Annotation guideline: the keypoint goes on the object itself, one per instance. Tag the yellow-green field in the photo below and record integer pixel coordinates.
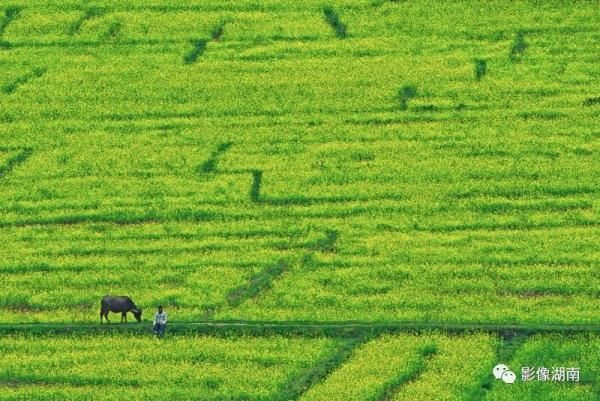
(301, 162)
(429, 366)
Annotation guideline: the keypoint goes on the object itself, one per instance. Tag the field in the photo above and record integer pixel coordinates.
(309, 188)
(427, 366)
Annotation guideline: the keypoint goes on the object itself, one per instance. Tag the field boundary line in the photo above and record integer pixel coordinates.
(10, 14)
(202, 215)
(257, 283)
(393, 386)
(323, 368)
(200, 44)
(252, 287)
(306, 328)
(12, 87)
(209, 166)
(508, 345)
(75, 27)
(11, 163)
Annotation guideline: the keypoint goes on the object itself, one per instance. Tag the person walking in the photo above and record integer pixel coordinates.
(160, 322)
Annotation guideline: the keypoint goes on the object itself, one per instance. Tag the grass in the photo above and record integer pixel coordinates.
(591, 101)
(508, 344)
(411, 361)
(328, 243)
(210, 165)
(320, 371)
(202, 365)
(299, 368)
(217, 32)
(309, 329)
(10, 163)
(114, 29)
(425, 353)
(549, 352)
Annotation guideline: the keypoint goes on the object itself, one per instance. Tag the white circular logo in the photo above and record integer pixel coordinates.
(509, 377)
(503, 372)
(499, 369)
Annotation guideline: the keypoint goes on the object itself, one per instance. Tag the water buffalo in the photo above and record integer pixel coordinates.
(121, 305)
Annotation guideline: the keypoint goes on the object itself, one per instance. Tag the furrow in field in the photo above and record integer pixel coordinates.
(394, 367)
(295, 388)
(455, 369)
(206, 367)
(11, 158)
(75, 27)
(10, 14)
(551, 353)
(370, 370)
(13, 86)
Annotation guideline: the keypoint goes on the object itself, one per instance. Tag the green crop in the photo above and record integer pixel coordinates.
(342, 168)
(141, 368)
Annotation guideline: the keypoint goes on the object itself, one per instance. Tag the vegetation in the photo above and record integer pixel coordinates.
(108, 367)
(256, 284)
(217, 32)
(10, 14)
(518, 47)
(406, 93)
(480, 69)
(580, 352)
(333, 19)
(75, 27)
(198, 48)
(240, 164)
(12, 86)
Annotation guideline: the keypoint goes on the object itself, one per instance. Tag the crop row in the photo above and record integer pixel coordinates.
(409, 367)
(390, 367)
(314, 180)
(336, 274)
(309, 21)
(307, 141)
(107, 87)
(185, 368)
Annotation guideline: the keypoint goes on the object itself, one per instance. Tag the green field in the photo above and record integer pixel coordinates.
(428, 366)
(404, 165)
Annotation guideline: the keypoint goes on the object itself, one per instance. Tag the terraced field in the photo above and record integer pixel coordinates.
(406, 165)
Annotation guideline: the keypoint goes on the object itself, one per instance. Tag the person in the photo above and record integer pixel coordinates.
(160, 322)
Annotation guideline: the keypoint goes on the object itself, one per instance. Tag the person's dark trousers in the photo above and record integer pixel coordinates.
(159, 329)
